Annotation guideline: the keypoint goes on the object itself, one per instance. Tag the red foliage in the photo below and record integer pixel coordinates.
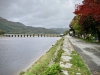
(89, 7)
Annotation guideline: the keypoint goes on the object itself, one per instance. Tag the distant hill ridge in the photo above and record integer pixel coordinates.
(10, 27)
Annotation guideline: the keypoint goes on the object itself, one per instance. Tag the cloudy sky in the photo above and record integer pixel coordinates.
(39, 13)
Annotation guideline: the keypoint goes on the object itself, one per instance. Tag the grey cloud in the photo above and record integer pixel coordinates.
(44, 13)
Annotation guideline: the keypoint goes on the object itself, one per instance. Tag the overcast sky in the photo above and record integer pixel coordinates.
(39, 13)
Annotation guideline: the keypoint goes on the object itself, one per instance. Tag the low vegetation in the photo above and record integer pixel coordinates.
(57, 59)
(78, 67)
(55, 69)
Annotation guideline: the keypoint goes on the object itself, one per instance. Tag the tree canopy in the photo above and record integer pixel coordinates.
(89, 16)
(89, 8)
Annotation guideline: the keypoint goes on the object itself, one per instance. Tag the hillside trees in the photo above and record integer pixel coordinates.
(89, 13)
(1, 32)
(10, 27)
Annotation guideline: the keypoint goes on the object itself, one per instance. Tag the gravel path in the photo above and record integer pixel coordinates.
(65, 58)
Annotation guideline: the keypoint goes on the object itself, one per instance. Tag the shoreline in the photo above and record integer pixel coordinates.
(30, 65)
(37, 59)
(42, 61)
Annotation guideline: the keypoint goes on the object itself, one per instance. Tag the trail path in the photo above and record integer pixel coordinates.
(65, 58)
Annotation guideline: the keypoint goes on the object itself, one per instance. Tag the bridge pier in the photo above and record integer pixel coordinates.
(50, 35)
(38, 35)
(41, 35)
(33, 35)
(30, 35)
(20, 35)
(12, 35)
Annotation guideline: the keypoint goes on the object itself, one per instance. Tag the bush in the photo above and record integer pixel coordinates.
(55, 69)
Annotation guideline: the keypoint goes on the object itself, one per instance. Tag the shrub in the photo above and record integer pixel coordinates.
(55, 69)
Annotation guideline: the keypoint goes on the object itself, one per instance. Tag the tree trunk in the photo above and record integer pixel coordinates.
(98, 36)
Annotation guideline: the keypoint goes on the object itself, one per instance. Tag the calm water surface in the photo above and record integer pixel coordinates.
(17, 54)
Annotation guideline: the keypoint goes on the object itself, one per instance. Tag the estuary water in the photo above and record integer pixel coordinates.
(19, 53)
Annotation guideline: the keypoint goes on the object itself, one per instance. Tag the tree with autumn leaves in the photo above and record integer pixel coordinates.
(89, 17)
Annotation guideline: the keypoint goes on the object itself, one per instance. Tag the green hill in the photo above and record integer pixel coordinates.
(60, 30)
(10, 27)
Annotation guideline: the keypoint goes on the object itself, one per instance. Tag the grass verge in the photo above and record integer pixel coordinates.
(55, 69)
(89, 40)
(78, 67)
(41, 65)
(58, 57)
